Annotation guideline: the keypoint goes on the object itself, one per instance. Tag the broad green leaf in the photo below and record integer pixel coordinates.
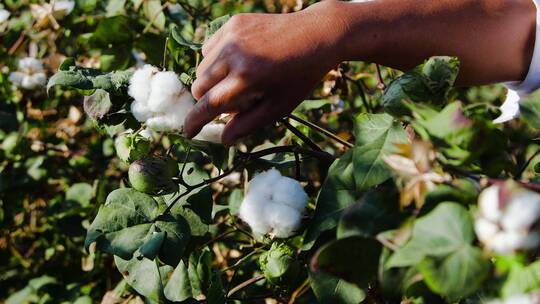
(143, 275)
(355, 259)
(337, 193)
(329, 289)
(522, 280)
(530, 110)
(369, 127)
(81, 193)
(215, 25)
(114, 32)
(377, 211)
(456, 275)
(154, 13)
(176, 34)
(369, 167)
(178, 287)
(88, 80)
(129, 220)
(441, 232)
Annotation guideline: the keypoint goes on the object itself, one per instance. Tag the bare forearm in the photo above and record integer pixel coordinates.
(493, 39)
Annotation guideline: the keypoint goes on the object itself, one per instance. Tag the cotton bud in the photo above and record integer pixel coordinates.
(154, 175)
(162, 102)
(506, 219)
(279, 265)
(531, 298)
(30, 74)
(130, 147)
(273, 204)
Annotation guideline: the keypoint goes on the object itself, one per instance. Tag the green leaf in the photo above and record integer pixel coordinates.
(154, 13)
(456, 275)
(439, 246)
(115, 7)
(369, 127)
(522, 280)
(88, 80)
(355, 259)
(215, 25)
(129, 220)
(530, 110)
(337, 193)
(178, 288)
(176, 35)
(369, 166)
(329, 289)
(143, 275)
(377, 211)
(81, 193)
(441, 232)
(111, 32)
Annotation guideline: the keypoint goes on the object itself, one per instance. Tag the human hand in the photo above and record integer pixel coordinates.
(261, 66)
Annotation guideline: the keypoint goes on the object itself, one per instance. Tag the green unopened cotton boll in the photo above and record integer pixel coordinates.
(130, 147)
(279, 265)
(153, 175)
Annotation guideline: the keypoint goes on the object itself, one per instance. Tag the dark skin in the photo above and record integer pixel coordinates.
(261, 66)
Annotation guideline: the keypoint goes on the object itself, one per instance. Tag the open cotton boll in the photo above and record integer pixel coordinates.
(283, 220)
(63, 8)
(289, 192)
(139, 84)
(211, 132)
(485, 229)
(522, 211)
(30, 74)
(252, 211)
(488, 202)
(165, 90)
(273, 204)
(140, 111)
(4, 15)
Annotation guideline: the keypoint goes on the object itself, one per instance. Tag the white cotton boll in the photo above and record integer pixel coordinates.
(262, 184)
(522, 211)
(140, 111)
(506, 242)
(146, 133)
(252, 211)
(211, 132)
(31, 82)
(139, 84)
(485, 230)
(289, 192)
(16, 78)
(283, 219)
(165, 90)
(488, 202)
(4, 15)
(30, 64)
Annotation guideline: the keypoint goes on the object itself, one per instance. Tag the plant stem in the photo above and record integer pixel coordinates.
(381, 84)
(245, 284)
(321, 130)
(524, 167)
(165, 54)
(299, 291)
(301, 135)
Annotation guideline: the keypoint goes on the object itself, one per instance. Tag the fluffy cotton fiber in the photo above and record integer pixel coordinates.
(30, 74)
(506, 226)
(161, 100)
(273, 204)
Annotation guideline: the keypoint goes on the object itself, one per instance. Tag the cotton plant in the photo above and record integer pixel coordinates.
(30, 74)
(162, 102)
(273, 205)
(507, 217)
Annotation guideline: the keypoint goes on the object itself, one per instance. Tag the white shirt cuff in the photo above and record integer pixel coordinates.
(518, 90)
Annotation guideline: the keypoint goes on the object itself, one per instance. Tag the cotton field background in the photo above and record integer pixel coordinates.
(384, 186)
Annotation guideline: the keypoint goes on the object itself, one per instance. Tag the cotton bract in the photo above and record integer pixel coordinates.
(506, 219)
(30, 74)
(161, 100)
(273, 204)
